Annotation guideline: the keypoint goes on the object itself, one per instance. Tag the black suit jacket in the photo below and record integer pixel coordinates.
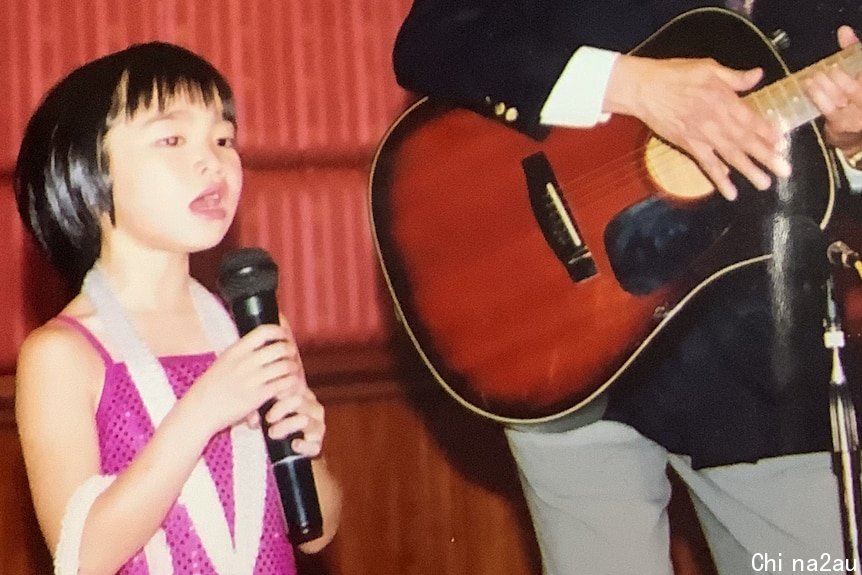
(514, 50)
(809, 25)
(723, 385)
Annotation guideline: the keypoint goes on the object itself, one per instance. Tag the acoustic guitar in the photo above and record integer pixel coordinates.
(531, 273)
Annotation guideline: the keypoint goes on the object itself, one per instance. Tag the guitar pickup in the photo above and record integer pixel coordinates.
(555, 219)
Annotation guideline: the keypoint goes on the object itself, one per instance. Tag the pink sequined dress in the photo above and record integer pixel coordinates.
(124, 428)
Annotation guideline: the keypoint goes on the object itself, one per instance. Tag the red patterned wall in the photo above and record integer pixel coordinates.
(315, 93)
(319, 230)
(313, 77)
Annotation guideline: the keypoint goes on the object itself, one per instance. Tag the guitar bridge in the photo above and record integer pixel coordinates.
(555, 219)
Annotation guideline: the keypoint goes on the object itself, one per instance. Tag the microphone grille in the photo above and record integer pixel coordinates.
(245, 272)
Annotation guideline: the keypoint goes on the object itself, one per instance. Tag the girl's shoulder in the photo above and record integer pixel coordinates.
(60, 354)
(57, 341)
(64, 336)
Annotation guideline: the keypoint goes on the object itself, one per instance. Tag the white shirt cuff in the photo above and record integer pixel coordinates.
(576, 99)
(854, 176)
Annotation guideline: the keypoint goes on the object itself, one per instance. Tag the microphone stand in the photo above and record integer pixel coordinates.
(845, 438)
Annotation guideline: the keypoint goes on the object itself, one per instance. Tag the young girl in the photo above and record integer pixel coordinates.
(137, 405)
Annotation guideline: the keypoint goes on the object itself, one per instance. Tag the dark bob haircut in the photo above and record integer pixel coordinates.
(62, 182)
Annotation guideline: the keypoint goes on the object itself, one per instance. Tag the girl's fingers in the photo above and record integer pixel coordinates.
(305, 447)
(253, 419)
(291, 402)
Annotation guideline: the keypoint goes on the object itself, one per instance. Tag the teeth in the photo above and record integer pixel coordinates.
(207, 202)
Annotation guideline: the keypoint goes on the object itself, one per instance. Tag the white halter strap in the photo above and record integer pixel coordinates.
(199, 495)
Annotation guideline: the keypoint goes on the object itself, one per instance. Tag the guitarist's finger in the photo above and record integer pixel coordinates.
(846, 36)
(836, 84)
(850, 90)
(739, 148)
(826, 94)
(750, 138)
(749, 170)
(768, 155)
(735, 155)
(748, 129)
(740, 80)
(845, 84)
(717, 171)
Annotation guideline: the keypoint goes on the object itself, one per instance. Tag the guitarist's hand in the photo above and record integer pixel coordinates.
(695, 105)
(838, 95)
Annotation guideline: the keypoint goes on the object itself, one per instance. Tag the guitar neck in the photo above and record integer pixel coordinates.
(786, 102)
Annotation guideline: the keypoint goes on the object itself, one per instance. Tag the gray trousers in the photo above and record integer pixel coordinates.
(598, 496)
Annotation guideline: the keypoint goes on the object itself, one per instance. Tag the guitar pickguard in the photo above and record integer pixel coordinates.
(653, 242)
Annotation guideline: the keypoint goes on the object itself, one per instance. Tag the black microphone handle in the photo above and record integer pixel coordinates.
(293, 473)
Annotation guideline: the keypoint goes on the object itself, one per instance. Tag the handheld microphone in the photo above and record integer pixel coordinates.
(248, 279)
(840, 254)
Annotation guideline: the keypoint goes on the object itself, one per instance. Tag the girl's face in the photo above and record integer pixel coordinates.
(176, 176)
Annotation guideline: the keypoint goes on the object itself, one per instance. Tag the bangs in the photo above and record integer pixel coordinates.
(146, 83)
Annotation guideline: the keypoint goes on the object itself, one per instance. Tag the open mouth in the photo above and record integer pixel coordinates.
(209, 203)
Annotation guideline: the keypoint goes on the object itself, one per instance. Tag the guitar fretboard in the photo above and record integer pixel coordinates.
(786, 102)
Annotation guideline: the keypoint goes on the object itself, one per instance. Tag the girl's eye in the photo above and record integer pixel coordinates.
(226, 142)
(171, 141)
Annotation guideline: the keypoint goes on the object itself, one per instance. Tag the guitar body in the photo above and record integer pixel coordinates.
(530, 274)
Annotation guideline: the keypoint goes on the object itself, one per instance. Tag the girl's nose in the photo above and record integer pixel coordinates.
(209, 162)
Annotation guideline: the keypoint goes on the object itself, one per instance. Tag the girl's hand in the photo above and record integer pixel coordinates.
(296, 409)
(260, 366)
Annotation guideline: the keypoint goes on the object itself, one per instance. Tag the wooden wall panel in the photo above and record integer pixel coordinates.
(415, 502)
(22, 551)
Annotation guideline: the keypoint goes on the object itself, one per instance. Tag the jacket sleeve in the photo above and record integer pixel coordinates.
(474, 51)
